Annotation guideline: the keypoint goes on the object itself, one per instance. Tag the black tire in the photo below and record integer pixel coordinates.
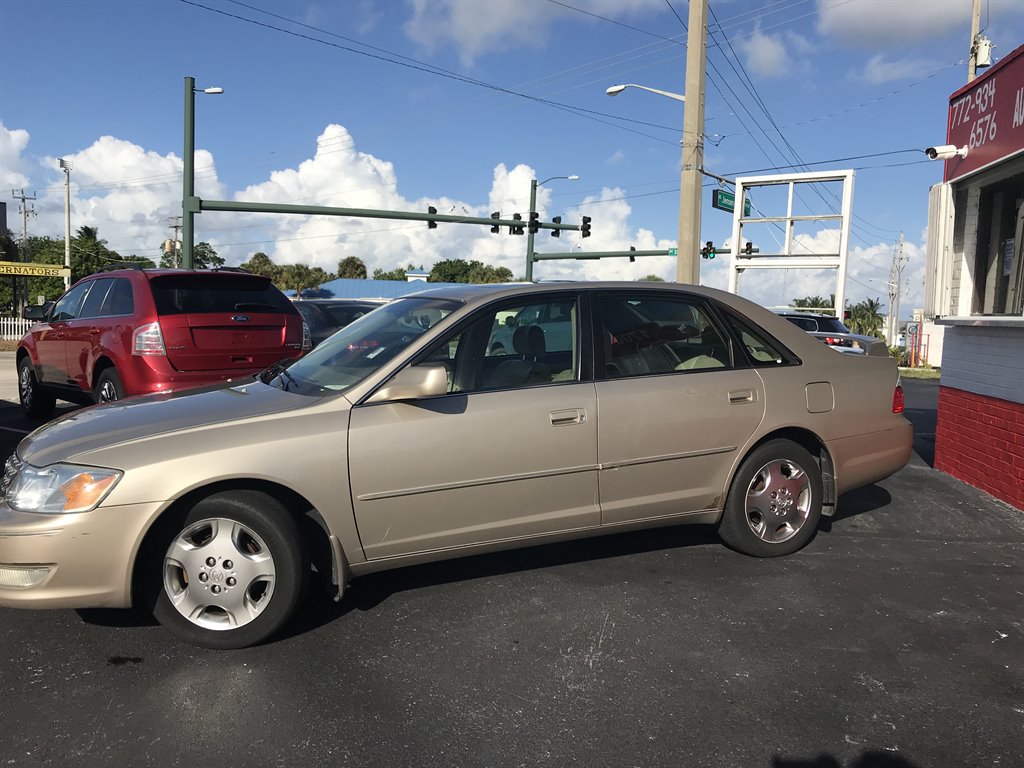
(36, 401)
(262, 526)
(761, 524)
(108, 387)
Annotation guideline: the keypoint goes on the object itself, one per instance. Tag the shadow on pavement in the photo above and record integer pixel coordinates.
(373, 589)
(873, 759)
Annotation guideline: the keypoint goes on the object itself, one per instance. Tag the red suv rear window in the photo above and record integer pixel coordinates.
(193, 294)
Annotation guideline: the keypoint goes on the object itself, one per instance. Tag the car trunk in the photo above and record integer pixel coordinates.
(225, 321)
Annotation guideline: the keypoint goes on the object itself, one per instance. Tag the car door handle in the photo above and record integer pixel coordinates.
(567, 417)
(741, 396)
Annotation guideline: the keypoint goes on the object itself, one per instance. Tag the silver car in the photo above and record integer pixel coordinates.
(409, 437)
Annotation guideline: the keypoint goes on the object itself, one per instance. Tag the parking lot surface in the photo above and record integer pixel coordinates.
(896, 638)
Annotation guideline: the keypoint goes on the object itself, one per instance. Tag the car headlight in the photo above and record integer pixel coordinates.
(60, 488)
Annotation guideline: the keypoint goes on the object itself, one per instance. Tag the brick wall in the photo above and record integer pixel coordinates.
(980, 439)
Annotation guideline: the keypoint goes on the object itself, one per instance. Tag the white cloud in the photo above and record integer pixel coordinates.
(881, 69)
(477, 28)
(880, 23)
(12, 145)
(776, 55)
(616, 157)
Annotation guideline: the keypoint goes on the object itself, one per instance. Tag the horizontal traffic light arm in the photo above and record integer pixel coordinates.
(370, 213)
(588, 255)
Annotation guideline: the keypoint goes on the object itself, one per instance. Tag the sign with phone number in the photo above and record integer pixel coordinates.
(988, 116)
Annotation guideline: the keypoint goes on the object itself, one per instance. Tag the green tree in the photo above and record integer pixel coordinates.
(394, 274)
(814, 302)
(301, 277)
(260, 264)
(462, 271)
(866, 318)
(352, 268)
(203, 257)
(651, 279)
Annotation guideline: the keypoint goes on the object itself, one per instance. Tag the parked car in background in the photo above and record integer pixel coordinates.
(326, 316)
(831, 331)
(125, 332)
(407, 437)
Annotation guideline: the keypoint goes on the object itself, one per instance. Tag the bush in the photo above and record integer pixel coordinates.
(900, 353)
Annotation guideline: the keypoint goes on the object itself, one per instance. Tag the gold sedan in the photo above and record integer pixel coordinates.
(453, 422)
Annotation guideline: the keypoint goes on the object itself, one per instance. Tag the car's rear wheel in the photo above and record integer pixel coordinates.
(108, 387)
(232, 571)
(35, 401)
(774, 503)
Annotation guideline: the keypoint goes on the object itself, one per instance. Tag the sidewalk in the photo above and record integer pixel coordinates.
(8, 380)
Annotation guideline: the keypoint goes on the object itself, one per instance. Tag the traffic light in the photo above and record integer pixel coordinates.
(749, 249)
(496, 229)
(534, 224)
(585, 227)
(708, 251)
(556, 232)
(632, 258)
(515, 229)
(431, 210)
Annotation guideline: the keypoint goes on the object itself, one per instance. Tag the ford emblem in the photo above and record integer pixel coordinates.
(241, 318)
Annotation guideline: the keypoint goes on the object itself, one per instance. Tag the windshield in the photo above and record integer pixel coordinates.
(361, 348)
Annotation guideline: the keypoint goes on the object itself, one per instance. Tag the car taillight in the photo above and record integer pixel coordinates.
(835, 342)
(897, 399)
(307, 338)
(148, 340)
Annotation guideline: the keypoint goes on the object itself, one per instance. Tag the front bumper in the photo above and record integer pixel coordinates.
(70, 561)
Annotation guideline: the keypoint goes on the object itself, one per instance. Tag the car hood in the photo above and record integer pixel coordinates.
(112, 424)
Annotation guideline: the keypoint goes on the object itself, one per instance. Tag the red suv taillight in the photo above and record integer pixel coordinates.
(897, 399)
(148, 340)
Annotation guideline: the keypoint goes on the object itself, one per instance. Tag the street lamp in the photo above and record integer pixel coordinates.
(533, 203)
(189, 201)
(687, 264)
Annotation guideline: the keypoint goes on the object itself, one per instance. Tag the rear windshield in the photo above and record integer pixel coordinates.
(193, 294)
(818, 324)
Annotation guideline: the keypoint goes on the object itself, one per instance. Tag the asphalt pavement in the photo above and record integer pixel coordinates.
(894, 640)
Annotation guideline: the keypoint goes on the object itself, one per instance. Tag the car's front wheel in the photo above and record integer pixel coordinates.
(35, 401)
(232, 571)
(774, 503)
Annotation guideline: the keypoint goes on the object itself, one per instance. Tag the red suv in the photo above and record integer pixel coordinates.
(141, 331)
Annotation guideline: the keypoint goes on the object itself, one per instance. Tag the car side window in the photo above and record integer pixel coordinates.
(93, 305)
(761, 349)
(68, 305)
(119, 299)
(645, 335)
(513, 347)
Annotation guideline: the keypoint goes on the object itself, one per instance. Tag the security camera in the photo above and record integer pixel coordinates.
(946, 152)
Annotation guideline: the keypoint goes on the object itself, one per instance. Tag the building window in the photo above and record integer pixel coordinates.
(998, 270)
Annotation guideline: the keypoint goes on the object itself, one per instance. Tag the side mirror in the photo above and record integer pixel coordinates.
(35, 311)
(413, 383)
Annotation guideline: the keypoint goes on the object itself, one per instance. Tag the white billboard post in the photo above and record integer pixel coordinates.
(740, 260)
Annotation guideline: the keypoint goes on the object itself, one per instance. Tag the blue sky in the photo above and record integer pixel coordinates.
(316, 110)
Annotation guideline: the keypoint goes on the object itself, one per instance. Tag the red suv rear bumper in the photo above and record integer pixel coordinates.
(153, 374)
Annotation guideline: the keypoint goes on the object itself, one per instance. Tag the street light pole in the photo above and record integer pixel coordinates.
(533, 204)
(189, 201)
(66, 167)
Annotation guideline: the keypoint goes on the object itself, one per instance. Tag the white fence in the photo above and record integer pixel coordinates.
(13, 327)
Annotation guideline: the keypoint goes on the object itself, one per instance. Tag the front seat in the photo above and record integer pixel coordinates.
(526, 369)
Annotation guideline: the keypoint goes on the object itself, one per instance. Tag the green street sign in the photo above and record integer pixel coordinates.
(726, 201)
(673, 251)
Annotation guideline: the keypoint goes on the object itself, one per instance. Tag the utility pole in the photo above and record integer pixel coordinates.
(175, 224)
(972, 61)
(899, 262)
(66, 167)
(688, 259)
(26, 211)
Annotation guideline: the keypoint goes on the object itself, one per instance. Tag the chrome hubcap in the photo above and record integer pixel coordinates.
(778, 501)
(219, 574)
(25, 385)
(107, 392)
